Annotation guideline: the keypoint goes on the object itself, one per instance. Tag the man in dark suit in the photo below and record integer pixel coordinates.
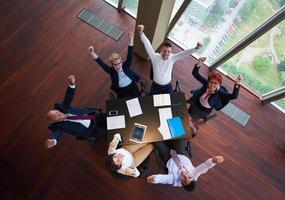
(83, 123)
(123, 78)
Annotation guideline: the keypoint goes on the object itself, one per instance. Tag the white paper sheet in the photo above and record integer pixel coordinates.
(161, 100)
(164, 114)
(134, 107)
(116, 122)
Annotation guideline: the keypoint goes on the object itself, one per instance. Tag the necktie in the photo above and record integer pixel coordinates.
(175, 158)
(81, 117)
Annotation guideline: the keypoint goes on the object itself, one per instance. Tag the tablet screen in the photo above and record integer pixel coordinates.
(138, 133)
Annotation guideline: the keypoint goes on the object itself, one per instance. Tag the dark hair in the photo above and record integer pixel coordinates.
(167, 44)
(110, 165)
(190, 187)
(215, 75)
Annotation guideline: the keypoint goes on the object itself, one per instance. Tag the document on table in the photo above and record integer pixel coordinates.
(161, 100)
(164, 114)
(116, 122)
(134, 107)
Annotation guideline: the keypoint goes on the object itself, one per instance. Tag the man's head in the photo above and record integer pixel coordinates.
(113, 162)
(165, 50)
(55, 116)
(214, 81)
(187, 180)
(116, 61)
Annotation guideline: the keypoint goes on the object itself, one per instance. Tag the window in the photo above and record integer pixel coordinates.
(220, 24)
(281, 104)
(131, 6)
(113, 2)
(262, 63)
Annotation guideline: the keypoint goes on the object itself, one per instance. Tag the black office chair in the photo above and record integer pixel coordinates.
(144, 87)
(178, 86)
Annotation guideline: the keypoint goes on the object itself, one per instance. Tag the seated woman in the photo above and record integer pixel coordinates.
(125, 160)
(122, 76)
(212, 95)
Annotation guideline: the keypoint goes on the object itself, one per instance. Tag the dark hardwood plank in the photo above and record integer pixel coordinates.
(42, 42)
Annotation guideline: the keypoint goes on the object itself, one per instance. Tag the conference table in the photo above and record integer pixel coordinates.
(150, 117)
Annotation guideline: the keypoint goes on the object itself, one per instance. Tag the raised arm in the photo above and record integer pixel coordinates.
(54, 139)
(146, 42)
(129, 171)
(187, 52)
(103, 65)
(205, 166)
(161, 178)
(196, 73)
(129, 60)
(69, 94)
(114, 143)
(234, 94)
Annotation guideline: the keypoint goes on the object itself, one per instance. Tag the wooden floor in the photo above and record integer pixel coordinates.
(42, 42)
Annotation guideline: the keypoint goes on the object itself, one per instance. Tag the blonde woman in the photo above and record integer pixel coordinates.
(123, 78)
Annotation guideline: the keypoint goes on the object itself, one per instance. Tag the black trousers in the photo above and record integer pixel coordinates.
(164, 148)
(130, 91)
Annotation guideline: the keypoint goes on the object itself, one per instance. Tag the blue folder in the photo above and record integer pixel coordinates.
(176, 127)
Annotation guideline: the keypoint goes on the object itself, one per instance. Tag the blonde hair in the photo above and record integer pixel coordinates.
(114, 56)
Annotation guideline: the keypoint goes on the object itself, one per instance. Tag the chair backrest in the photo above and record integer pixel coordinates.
(144, 87)
(178, 86)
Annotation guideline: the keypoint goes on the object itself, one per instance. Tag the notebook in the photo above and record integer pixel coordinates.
(176, 127)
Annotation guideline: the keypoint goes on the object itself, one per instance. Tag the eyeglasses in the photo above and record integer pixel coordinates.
(117, 64)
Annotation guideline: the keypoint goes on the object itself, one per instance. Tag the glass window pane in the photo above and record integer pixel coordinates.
(220, 24)
(177, 5)
(262, 63)
(281, 103)
(113, 2)
(131, 6)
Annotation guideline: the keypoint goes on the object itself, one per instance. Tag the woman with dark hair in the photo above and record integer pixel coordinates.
(212, 95)
(125, 160)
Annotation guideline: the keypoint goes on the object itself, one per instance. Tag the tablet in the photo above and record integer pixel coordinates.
(138, 133)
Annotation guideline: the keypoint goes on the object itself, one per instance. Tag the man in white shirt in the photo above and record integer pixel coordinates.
(181, 172)
(162, 63)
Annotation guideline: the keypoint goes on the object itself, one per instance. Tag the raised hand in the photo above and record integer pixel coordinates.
(199, 45)
(140, 28)
(238, 79)
(218, 159)
(200, 61)
(71, 79)
(92, 52)
(50, 143)
(131, 36)
(150, 179)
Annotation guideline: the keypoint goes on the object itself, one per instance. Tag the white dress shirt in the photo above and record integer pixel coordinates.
(173, 176)
(162, 69)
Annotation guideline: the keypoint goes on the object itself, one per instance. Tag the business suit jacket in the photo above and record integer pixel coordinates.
(219, 98)
(126, 69)
(74, 128)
